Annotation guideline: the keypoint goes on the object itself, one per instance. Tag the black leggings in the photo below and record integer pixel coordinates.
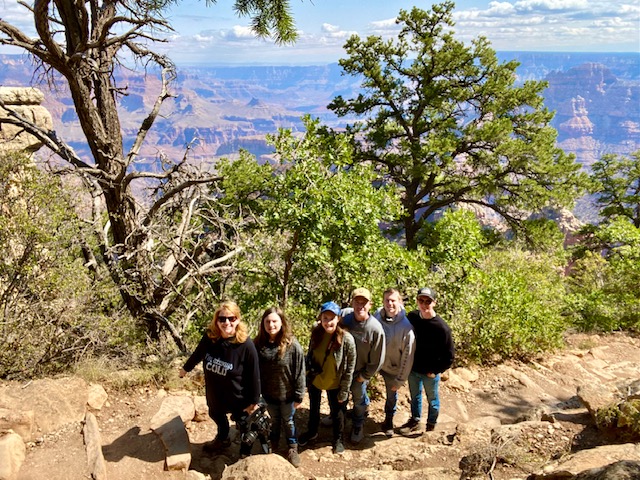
(337, 409)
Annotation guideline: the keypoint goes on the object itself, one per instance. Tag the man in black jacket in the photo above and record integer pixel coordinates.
(434, 353)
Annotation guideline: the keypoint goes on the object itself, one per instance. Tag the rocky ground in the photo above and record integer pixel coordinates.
(538, 424)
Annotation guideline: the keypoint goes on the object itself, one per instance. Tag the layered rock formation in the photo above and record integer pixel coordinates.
(25, 102)
(596, 111)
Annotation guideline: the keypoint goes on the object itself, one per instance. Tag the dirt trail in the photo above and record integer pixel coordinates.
(511, 392)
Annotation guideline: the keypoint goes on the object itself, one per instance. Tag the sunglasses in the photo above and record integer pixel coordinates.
(222, 319)
(426, 301)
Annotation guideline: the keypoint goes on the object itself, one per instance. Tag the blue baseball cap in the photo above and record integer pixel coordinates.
(330, 307)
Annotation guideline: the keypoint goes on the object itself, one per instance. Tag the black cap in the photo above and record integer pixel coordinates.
(427, 292)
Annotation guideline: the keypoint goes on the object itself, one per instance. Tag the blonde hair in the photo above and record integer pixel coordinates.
(242, 331)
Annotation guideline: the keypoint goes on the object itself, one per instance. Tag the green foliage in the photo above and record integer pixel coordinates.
(52, 312)
(603, 285)
(446, 123)
(316, 233)
(513, 308)
(624, 418)
(500, 302)
(616, 182)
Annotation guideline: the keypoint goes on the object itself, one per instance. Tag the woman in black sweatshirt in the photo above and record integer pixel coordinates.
(231, 372)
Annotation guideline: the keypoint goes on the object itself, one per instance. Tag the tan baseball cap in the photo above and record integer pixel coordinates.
(361, 292)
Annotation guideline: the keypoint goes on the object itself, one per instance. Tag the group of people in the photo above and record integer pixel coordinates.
(348, 346)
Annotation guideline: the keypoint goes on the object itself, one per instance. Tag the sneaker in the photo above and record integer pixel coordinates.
(410, 427)
(326, 421)
(431, 427)
(292, 456)
(216, 445)
(338, 447)
(307, 438)
(387, 427)
(357, 434)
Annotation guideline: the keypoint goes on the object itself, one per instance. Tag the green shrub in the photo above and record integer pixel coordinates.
(53, 310)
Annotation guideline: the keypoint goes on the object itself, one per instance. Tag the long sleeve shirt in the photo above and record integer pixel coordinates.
(369, 338)
(231, 373)
(282, 380)
(434, 344)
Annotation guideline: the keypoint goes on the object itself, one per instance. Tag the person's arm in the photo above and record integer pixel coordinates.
(298, 372)
(408, 351)
(251, 376)
(196, 356)
(348, 356)
(447, 355)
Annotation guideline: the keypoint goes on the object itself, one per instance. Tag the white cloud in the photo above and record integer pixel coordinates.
(384, 24)
(551, 5)
(329, 31)
(239, 32)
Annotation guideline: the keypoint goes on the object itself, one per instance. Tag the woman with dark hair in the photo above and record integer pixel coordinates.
(282, 377)
(231, 373)
(331, 360)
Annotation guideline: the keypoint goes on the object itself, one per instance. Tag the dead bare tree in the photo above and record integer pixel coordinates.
(161, 251)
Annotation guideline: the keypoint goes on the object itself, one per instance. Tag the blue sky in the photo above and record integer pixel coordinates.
(214, 35)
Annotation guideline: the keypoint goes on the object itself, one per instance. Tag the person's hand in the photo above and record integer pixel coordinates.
(394, 388)
(359, 378)
(182, 372)
(431, 375)
(296, 404)
(251, 408)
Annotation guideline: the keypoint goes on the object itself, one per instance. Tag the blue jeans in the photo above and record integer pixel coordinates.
(282, 414)
(392, 395)
(417, 382)
(360, 402)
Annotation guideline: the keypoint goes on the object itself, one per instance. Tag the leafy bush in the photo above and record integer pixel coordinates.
(603, 284)
(501, 303)
(52, 312)
(515, 309)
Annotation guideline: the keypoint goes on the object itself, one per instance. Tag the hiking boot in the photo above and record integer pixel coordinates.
(245, 450)
(357, 434)
(326, 421)
(412, 426)
(387, 427)
(307, 438)
(431, 427)
(292, 455)
(338, 447)
(216, 445)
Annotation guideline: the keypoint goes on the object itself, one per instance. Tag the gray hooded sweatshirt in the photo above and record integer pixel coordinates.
(400, 342)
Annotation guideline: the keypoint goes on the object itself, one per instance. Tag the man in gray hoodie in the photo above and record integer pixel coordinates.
(399, 350)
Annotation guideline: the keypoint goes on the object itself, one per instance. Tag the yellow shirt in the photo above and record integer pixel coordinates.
(328, 379)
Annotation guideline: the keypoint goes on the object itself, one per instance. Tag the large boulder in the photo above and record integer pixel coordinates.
(264, 467)
(53, 403)
(12, 454)
(26, 103)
